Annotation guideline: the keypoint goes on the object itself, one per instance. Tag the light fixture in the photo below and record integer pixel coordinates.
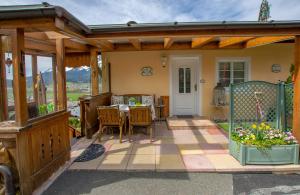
(163, 60)
(8, 62)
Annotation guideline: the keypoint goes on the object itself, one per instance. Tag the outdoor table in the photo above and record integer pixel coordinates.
(124, 108)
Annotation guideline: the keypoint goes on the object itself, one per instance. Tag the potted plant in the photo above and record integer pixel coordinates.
(74, 127)
(262, 144)
(131, 101)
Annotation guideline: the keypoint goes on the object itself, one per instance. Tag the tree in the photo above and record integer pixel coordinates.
(264, 12)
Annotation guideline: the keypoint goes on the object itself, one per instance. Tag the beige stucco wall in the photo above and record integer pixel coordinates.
(126, 66)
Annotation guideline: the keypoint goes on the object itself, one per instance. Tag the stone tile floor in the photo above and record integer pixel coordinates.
(202, 150)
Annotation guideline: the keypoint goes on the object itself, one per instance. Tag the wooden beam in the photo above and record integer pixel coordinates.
(54, 71)
(37, 35)
(106, 45)
(61, 75)
(168, 42)
(199, 42)
(34, 77)
(3, 89)
(39, 45)
(233, 40)
(19, 77)
(75, 45)
(175, 46)
(136, 43)
(64, 29)
(266, 40)
(296, 105)
(55, 35)
(94, 71)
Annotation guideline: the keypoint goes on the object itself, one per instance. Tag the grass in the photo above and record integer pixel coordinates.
(224, 126)
(74, 96)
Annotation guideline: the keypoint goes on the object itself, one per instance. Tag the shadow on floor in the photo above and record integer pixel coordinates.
(114, 182)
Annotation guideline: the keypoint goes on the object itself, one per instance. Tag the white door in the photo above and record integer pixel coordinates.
(185, 89)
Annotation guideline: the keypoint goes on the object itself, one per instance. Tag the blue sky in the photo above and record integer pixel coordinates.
(122, 11)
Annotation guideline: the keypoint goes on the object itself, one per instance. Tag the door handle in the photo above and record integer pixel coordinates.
(195, 87)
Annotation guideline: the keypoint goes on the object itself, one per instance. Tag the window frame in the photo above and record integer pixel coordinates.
(247, 61)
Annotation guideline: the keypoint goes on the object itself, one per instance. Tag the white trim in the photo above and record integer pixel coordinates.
(198, 70)
(247, 60)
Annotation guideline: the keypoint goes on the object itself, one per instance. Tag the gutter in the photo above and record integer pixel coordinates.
(193, 26)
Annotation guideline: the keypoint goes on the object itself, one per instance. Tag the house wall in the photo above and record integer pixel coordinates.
(126, 66)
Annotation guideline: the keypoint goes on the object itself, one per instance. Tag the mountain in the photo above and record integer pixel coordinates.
(76, 75)
(79, 75)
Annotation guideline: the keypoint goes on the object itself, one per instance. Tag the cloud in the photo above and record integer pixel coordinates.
(122, 11)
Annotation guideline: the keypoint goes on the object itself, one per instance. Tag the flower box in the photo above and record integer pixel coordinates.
(275, 155)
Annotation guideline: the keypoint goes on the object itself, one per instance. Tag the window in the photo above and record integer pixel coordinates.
(232, 71)
(184, 80)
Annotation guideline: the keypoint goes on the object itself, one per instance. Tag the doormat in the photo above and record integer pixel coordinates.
(185, 116)
(190, 124)
(92, 152)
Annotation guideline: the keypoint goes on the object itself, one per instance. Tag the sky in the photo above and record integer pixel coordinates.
(93, 12)
(121, 11)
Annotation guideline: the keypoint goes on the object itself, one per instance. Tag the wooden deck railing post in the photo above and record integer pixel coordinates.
(54, 71)
(296, 106)
(3, 94)
(19, 77)
(34, 77)
(94, 70)
(61, 75)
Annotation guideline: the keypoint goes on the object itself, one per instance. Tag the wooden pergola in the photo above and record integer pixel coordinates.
(48, 30)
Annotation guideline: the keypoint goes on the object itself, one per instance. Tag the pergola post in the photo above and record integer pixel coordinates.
(34, 78)
(94, 71)
(61, 75)
(54, 71)
(19, 77)
(296, 106)
(106, 77)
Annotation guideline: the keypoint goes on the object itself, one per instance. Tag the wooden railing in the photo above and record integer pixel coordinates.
(88, 112)
(37, 150)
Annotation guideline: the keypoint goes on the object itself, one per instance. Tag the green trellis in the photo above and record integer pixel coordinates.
(260, 101)
(288, 106)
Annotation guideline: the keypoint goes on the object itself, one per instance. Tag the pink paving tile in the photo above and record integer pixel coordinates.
(213, 148)
(214, 131)
(197, 163)
(167, 149)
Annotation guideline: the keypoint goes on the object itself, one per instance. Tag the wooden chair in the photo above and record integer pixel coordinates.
(140, 116)
(110, 117)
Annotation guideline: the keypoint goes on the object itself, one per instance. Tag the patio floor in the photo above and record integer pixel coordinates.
(199, 150)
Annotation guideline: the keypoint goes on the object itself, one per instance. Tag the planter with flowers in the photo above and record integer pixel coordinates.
(262, 144)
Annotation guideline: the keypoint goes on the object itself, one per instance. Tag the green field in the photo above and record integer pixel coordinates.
(74, 91)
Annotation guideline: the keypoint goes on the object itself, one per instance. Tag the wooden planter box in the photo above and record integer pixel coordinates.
(281, 154)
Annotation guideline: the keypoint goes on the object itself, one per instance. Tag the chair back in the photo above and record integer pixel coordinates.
(108, 115)
(140, 115)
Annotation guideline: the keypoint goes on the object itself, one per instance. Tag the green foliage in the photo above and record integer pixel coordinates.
(224, 126)
(42, 109)
(50, 107)
(264, 12)
(45, 109)
(75, 122)
(292, 72)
